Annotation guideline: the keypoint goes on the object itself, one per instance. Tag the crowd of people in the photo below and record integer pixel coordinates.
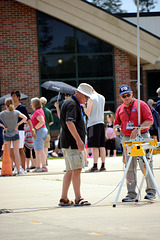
(82, 130)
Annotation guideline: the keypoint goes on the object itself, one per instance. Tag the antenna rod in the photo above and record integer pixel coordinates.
(138, 68)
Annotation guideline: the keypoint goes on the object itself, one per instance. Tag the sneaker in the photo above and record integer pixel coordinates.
(150, 196)
(102, 169)
(32, 167)
(28, 169)
(19, 173)
(128, 199)
(22, 170)
(15, 171)
(93, 169)
(44, 169)
(38, 170)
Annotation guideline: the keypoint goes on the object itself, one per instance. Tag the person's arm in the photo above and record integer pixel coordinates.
(73, 131)
(88, 109)
(113, 133)
(24, 119)
(31, 127)
(145, 124)
(40, 123)
(57, 108)
(106, 134)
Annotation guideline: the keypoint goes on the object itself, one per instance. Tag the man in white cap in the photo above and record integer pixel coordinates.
(72, 140)
(157, 108)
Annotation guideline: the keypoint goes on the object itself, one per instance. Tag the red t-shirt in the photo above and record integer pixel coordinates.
(122, 118)
(34, 120)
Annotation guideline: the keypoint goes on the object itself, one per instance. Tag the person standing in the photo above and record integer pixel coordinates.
(95, 129)
(156, 120)
(48, 122)
(157, 108)
(20, 107)
(72, 140)
(127, 118)
(10, 125)
(38, 121)
(29, 148)
(110, 136)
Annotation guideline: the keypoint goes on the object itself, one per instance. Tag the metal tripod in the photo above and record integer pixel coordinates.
(135, 149)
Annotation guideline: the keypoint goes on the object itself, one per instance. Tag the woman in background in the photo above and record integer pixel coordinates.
(38, 121)
(10, 125)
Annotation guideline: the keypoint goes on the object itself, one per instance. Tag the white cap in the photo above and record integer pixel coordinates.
(158, 90)
(85, 89)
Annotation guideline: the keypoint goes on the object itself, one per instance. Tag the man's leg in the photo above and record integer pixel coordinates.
(103, 157)
(66, 183)
(103, 154)
(95, 155)
(76, 181)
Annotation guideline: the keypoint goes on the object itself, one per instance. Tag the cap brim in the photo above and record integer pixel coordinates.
(124, 92)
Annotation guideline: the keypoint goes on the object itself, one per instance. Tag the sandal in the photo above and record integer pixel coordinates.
(81, 202)
(63, 202)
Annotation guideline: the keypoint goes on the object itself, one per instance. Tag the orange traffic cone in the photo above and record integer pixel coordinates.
(6, 163)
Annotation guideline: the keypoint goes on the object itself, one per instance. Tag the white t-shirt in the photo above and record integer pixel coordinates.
(97, 112)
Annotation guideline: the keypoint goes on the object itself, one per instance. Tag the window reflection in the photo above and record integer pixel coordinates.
(70, 55)
(55, 36)
(95, 66)
(89, 44)
(57, 67)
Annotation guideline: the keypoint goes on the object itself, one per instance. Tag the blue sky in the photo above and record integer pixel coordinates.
(129, 6)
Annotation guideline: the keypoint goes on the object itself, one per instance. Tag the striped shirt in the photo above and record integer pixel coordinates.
(28, 142)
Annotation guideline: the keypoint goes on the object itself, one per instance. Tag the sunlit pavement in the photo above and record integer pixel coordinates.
(32, 203)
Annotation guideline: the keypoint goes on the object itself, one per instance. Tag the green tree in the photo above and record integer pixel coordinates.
(146, 5)
(112, 6)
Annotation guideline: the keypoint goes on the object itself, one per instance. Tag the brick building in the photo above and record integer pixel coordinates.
(94, 47)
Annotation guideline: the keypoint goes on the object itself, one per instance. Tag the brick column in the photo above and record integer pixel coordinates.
(122, 71)
(19, 49)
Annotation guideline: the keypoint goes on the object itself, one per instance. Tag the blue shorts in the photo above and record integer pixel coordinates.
(41, 135)
(13, 138)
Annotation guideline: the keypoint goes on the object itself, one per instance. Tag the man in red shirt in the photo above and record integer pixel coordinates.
(127, 118)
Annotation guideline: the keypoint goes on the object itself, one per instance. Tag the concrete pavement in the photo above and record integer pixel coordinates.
(33, 202)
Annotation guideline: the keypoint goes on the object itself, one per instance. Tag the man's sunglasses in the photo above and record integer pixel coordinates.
(127, 95)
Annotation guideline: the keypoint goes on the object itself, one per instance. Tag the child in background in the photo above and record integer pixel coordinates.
(29, 148)
(110, 136)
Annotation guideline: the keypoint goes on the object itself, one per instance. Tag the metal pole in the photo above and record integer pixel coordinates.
(138, 68)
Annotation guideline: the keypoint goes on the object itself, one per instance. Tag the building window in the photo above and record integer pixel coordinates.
(70, 55)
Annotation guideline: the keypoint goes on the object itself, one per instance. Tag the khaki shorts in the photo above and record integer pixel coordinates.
(47, 141)
(74, 158)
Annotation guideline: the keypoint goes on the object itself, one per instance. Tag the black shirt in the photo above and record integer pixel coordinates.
(23, 110)
(71, 111)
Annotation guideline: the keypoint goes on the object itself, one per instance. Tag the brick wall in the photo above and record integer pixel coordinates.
(18, 47)
(122, 71)
(133, 82)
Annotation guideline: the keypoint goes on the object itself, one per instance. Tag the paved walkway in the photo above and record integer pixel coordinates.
(33, 202)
